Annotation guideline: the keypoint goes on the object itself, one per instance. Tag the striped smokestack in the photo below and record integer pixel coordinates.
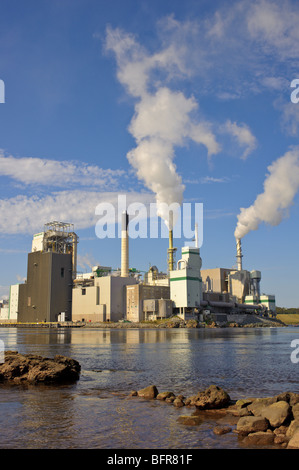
(124, 245)
(239, 254)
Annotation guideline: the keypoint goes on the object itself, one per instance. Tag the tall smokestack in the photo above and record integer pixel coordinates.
(239, 254)
(171, 250)
(124, 245)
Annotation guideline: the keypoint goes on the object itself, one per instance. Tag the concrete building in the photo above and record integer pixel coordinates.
(136, 295)
(48, 290)
(186, 283)
(14, 302)
(101, 298)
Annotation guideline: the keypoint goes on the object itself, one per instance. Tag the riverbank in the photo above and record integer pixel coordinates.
(237, 321)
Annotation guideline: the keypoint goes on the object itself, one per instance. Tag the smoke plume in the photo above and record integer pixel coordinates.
(163, 117)
(280, 188)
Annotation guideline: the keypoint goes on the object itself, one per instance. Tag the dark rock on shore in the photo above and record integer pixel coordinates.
(34, 369)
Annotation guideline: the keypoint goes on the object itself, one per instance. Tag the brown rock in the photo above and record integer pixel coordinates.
(212, 397)
(259, 404)
(277, 413)
(294, 441)
(219, 430)
(164, 395)
(295, 411)
(178, 402)
(34, 369)
(294, 425)
(190, 420)
(259, 438)
(249, 424)
(149, 392)
(280, 439)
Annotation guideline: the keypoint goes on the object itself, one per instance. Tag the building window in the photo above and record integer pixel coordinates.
(62, 272)
(83, 291)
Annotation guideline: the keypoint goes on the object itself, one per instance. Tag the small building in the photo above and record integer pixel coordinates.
(100, 299)
(155, 309)
(136, 295)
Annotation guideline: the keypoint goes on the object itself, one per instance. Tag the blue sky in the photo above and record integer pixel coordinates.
(132, 97)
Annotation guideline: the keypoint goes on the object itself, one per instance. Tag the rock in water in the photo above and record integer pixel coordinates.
(213, 397)
(35, 369)
(148, 392)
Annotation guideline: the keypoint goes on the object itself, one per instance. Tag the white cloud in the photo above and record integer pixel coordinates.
(275, 26)
(39, 171)
(243, 135)
(24, 214)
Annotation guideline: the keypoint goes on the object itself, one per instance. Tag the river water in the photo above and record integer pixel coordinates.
(97, 413)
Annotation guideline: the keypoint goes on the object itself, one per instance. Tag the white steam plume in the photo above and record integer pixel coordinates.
(280, 188)
(162, 118)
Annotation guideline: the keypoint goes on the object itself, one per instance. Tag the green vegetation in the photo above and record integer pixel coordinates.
(288, 311)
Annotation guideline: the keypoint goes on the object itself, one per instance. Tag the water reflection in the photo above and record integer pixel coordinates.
(96, 413)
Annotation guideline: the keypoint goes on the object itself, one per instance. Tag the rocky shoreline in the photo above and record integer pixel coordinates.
(260, 422)
(34, 369)
(249, 321)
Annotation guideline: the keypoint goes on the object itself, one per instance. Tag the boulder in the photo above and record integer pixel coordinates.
(258, 404)
(289, 397)
(219, 430)
(294, 441)
(178, 402)
(277, 413)
(294, 425)
(259, 438)
(213, 397)
(35, 369)
(164, 395)
(249, 424)
(295, 411)
(149, 392)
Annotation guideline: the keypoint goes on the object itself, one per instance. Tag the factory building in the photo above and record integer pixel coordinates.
(142, 305)
(47, 293)
(100, 298)
(54, 291)
(186, 283)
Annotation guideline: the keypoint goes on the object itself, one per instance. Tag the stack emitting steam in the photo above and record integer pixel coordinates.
(280, 188)
(171, 249)
(163, 118)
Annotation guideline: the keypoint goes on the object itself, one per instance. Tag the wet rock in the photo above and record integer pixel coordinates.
(133, 393)
(149, 392)
(164, 395)
(212, 397)
(178, 402)
(250, 424)
(190, 420)
(277, 413)
(219, 430)
(35, 369)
